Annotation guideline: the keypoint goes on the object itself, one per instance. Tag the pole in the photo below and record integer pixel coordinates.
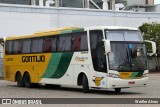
(105, 4)
(113, 4)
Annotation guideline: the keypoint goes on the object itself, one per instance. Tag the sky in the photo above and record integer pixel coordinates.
(156, 1)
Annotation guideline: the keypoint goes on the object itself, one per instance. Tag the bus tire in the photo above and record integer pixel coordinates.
(85, 84)
(27, 80)
(19, 79)
(117, 90)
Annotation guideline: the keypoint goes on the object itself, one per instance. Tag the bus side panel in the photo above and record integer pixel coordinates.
(25, 63)
(81, 62)
(8, 73)
(59, 69)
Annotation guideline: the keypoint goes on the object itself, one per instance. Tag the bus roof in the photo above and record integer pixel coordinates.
(111, 28)
(68, 30)
(48, 33)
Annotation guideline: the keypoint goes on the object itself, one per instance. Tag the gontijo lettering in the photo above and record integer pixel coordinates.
(40, 58)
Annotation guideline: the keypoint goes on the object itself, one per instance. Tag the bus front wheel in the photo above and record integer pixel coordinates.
(27, 80)
(19, 79)
(85, 84)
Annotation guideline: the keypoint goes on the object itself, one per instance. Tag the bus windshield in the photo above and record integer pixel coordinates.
(127, 57)
(127, 50)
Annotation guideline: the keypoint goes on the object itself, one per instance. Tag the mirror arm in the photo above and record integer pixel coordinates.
(153, 47)
(107, 46)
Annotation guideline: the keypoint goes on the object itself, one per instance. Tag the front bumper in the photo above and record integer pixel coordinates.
(126, 83)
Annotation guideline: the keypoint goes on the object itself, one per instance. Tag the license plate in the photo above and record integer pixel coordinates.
(131, 82)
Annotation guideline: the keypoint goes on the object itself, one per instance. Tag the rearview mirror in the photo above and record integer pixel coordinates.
(152, 46)
(107, 46)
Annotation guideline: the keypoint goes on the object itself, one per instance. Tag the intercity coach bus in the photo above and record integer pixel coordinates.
(94, 57)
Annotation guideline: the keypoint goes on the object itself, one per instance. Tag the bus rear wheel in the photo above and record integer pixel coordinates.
(19, 79)
(27, 81)
(85, 84)
(117, 90)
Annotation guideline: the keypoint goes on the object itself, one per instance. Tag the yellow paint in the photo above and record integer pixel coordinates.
(125, 75)
(43, 33)
(98, 80)
(35, 69)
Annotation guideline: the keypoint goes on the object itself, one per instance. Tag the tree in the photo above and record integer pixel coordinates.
(152, 32)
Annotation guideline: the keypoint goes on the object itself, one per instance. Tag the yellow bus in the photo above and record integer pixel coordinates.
(92, 57)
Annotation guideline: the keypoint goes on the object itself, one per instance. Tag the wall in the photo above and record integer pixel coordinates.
(136, 2)
(155, 8)
(22, 20)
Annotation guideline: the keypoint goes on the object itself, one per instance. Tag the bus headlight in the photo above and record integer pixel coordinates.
(145, 75)
(113, 75)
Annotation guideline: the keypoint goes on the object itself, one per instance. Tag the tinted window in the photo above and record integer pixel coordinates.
(16, 46)
(64, 43)
(95, 38)
(50, 44)
(8, 47)
(97, 51)
(68, 43)
(61, 43)
(54, 44)
(47, 44)
(84, 44)
(26, 44)
(37, 45)
(79, 42)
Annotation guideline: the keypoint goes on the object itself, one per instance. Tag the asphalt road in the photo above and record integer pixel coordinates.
(11, 90)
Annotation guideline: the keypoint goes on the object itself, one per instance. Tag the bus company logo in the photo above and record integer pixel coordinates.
(40, 58)
(81, 59)
(97, 80)
(124, 73)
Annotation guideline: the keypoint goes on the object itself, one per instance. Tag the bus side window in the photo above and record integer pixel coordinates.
(16, 47)
(26, 46)
(68, 43)
(47, 44)
(76, 43)
(54, 44)
(64, 43)
(9, 47)
(37, 45)
(84, 42)
(61, 43)
(97, 51)
(79, 42)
